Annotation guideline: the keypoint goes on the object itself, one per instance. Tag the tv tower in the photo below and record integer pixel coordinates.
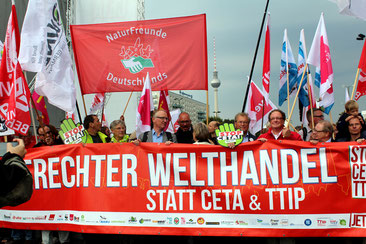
(215, 83)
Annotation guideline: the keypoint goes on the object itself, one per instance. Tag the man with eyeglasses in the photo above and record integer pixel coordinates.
(317, 116)
(157, 134)
(184, 133)
(277, 130)
(322, 132)
(354, 129)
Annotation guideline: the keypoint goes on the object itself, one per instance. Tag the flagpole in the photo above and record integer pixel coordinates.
(310, 92)
(287, 81)
(206, 108)
(34, 124)
(128, 101)
(355, 83)
(84, 105)
(297, 94)
(264, 107)
(255, 56)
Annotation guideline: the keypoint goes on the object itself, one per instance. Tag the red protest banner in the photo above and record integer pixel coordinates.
(116, 57)
(260, 189)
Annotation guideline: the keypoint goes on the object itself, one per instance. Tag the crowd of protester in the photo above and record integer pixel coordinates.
(350, 127)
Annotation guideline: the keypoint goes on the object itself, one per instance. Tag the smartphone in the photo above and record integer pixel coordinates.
(3, 147)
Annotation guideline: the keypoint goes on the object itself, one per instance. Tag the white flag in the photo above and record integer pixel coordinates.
(146, 105)
(44, 50)
(97, 103)
(173, 125)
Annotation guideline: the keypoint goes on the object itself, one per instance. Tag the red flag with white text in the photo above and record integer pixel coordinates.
(361, 85)
(15, 95)
(255, 108)
(115, 57)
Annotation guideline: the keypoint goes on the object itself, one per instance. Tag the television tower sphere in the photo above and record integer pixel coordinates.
(215, 83)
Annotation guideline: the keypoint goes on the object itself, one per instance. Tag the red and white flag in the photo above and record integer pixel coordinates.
(266, 61)
(104, 120)
(173, 125)
(15, 95)
(97, 103)
(319, 56)
(361, 85)
(164, 102)
(255, 108)
(143, 121)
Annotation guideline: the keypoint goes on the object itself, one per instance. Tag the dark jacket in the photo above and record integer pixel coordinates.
(16, 181)
(184, 136)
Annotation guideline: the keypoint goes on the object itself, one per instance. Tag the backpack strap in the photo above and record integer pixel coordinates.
(144, 137)
(304, 133)
(169, 136)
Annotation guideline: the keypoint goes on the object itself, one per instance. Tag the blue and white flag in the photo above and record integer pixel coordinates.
(288, 66)
(301, 63)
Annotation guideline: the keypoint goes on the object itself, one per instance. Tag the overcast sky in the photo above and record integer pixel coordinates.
(236, 23)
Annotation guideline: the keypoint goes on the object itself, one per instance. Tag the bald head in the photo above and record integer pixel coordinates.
(184, 121)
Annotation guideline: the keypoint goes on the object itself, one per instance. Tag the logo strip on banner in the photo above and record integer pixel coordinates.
(275, 186)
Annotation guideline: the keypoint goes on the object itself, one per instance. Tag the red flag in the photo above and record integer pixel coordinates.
(115, 57)
(145, 107)
(164, 104)
(266, 61)
(361, 85)
(255, 108)
(14, 93)
(41, 106)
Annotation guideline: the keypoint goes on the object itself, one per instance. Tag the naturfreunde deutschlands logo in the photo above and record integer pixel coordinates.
(137, 57)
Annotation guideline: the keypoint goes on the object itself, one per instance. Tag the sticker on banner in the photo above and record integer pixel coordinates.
(72, 133)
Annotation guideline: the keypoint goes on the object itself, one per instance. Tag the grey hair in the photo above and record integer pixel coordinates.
(117, 122)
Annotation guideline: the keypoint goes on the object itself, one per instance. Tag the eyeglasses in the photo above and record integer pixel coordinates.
(243, 122)
(184, 121)
(163, 118)
(318, 116)
(277, 118)
(318, 131)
